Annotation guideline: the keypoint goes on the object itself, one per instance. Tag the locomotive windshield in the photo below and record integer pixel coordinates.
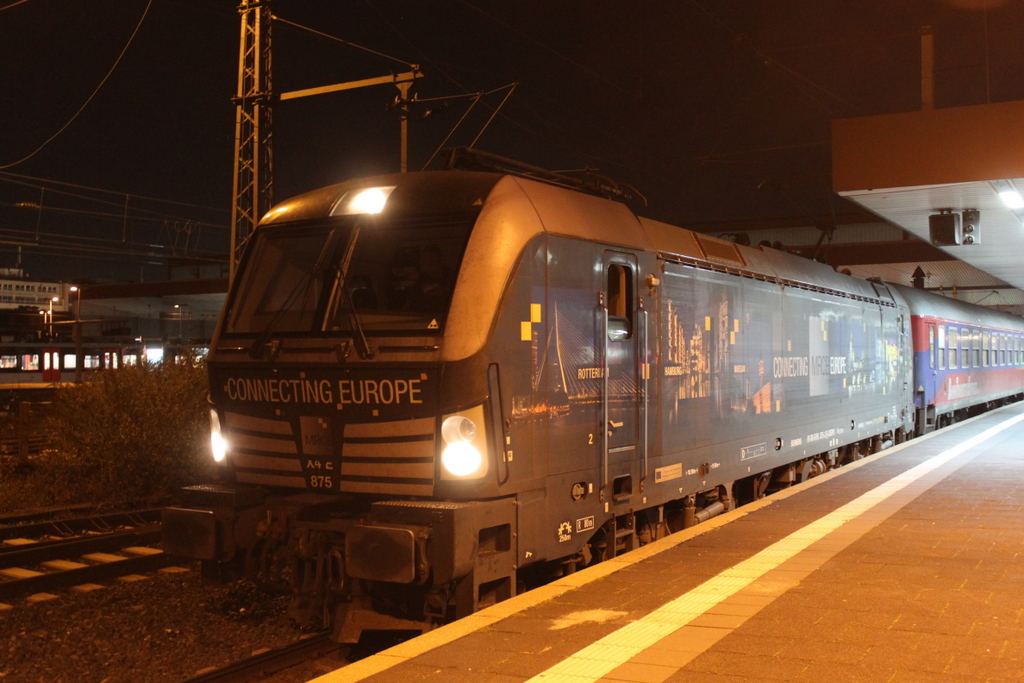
(351, 273)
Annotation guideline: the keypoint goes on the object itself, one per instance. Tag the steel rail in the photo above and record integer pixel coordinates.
(266, 663)
(65, 548)
(80, 525)
(75, 577)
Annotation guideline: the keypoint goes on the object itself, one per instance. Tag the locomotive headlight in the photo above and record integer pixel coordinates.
(218, 445)
(369, 200)
(461, 459)
(464, 455)
(458, 428)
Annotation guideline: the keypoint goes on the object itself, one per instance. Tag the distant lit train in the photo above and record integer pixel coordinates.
(34, 364)
(431, 390)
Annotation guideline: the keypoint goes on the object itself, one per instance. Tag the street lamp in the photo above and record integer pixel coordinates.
(49, 316)
(78, 332)
(181, 314)
(78, 301)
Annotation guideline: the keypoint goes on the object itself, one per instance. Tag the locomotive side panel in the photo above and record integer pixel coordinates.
(755, 376)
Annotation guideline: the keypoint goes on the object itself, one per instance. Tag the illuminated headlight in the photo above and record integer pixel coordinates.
(218, 445)
(461, 458)
(370, 200)
(464, 455)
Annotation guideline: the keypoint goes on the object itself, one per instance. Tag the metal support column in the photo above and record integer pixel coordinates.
(252, 185)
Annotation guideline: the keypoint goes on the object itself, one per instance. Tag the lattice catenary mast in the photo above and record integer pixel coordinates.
(252, 184)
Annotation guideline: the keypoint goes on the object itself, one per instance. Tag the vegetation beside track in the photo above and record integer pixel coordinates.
(134, 435)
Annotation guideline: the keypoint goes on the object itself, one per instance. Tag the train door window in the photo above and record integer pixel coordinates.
(965, 343)
(620, 297)
(942, 347)
(8, 362)
(931, 346)
(30, 362)
(46, 360)
(986, 357)
(954, 346)
(70, 361)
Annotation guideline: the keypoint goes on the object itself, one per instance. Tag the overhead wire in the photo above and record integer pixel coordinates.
(120, 193)
(13, 4)
(134, 215)
(344, 42)
(742, 40)
(554, 141)
(95, 91)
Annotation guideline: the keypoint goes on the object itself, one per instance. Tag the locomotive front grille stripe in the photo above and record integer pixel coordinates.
(389, 439)
(269, 479)
(264, 462)
(382, 430)
(374, 451)
(386, 480)
(256, 424)
(387, 471)
(257, 443)
(409, 461)
(390, 487)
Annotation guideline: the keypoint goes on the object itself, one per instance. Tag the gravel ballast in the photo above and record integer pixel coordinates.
(162, 629)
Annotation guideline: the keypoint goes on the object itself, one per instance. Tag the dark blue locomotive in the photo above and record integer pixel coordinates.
(429, 390)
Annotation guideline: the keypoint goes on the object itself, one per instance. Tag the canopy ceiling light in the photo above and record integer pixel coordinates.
(1010, 195)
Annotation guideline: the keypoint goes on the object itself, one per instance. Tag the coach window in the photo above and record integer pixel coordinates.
(931, 346)
(965, 343)
(30, 362)
(985, 351)
(954, 342)
(620, 295)
(942, 347)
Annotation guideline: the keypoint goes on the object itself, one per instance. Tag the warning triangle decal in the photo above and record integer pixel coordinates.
(432, 325)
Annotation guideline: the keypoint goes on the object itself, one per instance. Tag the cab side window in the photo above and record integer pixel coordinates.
(620, 302)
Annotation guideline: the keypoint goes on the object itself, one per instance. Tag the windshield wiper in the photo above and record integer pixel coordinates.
(341, 272)
(261, 345)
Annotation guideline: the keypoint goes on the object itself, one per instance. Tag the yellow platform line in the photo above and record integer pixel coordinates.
(615, 649)
(403, 652)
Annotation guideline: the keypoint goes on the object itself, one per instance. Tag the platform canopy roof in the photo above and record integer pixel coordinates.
(906, 167)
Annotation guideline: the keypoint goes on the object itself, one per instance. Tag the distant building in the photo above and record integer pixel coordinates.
(19, 292)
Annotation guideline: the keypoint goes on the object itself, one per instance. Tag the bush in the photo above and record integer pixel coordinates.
(131, 435)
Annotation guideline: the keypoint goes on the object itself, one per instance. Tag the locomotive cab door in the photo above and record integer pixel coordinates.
(621, 390)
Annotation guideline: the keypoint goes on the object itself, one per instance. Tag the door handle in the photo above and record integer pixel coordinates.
(614, 425)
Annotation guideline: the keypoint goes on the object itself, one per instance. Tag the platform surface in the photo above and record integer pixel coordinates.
(907, 566)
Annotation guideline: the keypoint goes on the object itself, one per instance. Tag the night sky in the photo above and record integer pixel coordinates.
(715, 110)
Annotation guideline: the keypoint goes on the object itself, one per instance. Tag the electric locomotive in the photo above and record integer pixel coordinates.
(429, 390)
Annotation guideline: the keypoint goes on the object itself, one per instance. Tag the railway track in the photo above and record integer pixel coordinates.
(267, 663)
(39, 557)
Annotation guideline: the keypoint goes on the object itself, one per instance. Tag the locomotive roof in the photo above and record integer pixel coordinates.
(513, 210)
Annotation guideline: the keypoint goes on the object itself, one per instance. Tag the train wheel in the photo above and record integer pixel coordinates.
(817, 466)
(760, 485)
